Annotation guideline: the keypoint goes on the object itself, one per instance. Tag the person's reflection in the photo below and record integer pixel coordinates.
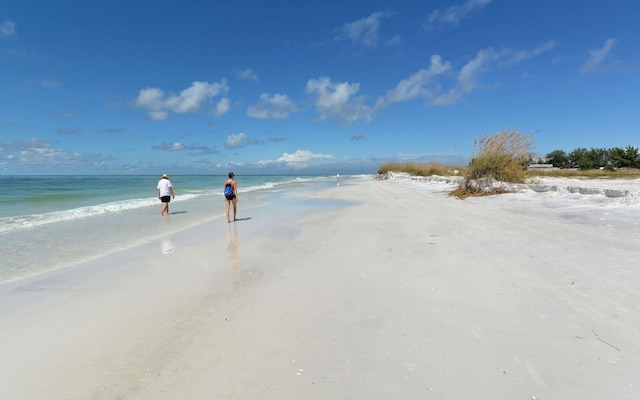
(232, 245)
(168, 246)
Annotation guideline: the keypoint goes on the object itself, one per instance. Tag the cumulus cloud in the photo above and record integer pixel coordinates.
(238, 140)
(337, 101)
(277, 106)
(7, 29)
(35, 152)
(600, 59)
(363, 32)
(248, 75)
(298, 160)
(223, 107)
(417, 85)
(453, 15)
(187, 101)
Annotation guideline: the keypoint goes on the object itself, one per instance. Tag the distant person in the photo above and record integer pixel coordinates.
(165, 193)
(338, 179)
(231, 194)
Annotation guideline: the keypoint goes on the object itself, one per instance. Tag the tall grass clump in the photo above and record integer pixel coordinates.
(501, 157)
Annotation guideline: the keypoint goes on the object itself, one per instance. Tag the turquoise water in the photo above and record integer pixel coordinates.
(49, 222)
(37, 195)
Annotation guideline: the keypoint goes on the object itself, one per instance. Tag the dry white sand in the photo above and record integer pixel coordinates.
(397, 295)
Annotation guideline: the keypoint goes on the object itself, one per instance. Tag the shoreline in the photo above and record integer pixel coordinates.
(368, 290)
(35, 244)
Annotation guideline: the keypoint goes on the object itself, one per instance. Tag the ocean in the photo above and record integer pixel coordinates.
(51, 222)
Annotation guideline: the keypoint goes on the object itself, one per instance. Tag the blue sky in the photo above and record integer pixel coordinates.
(137, 87)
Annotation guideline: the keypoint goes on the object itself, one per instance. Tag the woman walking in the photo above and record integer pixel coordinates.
(231, 194)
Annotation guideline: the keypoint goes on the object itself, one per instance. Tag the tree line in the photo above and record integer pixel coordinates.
(593, 158)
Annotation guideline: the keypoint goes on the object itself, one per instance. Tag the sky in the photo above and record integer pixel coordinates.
(305, 87)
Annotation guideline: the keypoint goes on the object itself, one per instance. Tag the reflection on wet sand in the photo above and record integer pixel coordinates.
(168, 245)
(233, 249)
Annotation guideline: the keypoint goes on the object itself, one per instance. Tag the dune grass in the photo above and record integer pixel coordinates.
(422, 169)
(500, 157)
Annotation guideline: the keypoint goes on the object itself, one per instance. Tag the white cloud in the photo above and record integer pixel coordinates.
(188, 101)
(193, 150)
(426, 83)
(445, 99)
(7, 29)
(248, 75)
(453, 15)
(223, 107)
(364, 31)
(468, 76)
(277, 106)
(298, 160)
(41, 153)
(597, 60)
(150, 98)
(158, 115)
(485, 61)
(230, 164)
(177, 146)
(237, 140)
(523, 55)
(337, 101)
(416, 85)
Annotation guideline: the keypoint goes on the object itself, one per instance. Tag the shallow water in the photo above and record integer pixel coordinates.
(85, 218)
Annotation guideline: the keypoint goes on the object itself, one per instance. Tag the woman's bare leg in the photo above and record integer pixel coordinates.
(235, 202)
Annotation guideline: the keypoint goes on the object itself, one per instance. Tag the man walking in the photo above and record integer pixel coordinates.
(165, 193)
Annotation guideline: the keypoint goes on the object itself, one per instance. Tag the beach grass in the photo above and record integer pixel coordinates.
(500, 157)
(422, 169)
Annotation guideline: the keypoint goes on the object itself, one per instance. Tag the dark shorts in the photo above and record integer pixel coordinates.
(233, 196)
(165, 199)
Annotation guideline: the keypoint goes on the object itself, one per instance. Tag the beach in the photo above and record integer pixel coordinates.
(373, 289)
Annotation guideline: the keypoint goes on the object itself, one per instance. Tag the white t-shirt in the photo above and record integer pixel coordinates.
(163, 186)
